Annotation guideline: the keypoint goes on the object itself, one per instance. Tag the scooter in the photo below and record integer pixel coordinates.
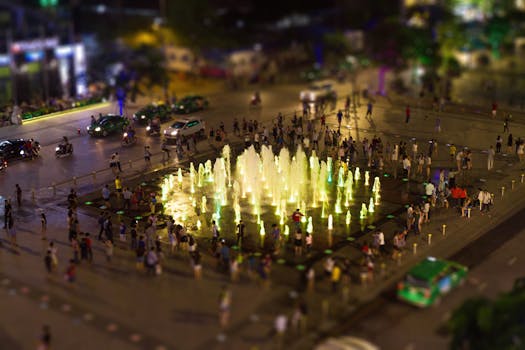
(127, 140)
(153, 130)
(63, 150)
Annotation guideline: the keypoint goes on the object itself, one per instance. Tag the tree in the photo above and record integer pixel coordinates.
(485, 325)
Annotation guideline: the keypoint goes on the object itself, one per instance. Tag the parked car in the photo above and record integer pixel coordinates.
(185, 127)
(147, 113)
(429, 280)
(318, 92)
(15, 149)
(190, 104)
(107, 124)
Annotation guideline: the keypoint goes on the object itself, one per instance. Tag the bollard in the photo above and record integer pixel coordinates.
(502, 191)
(429, 240)
(130, 164)
(74, 180)
(512, 186)
(33, 197)
(444, 228)
(414, 248)
(54, 189)
(522, 176)
(468, 212)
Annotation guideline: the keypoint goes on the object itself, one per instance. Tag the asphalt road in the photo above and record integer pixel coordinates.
(494, 262)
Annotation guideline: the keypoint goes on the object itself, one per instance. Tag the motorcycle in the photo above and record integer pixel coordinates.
(256, 100)
(63, 150)
(128, 140)
(153, 130)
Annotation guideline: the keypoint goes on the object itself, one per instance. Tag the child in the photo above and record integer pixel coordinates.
(108, 249)
(48, 261)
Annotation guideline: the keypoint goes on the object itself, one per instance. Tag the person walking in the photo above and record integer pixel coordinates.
(147, 156)
(490, 158)
(165, 150)
(369, 107)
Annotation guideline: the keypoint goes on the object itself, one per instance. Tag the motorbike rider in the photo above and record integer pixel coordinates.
(155, 124)
(64, 145)
(256, 98)
(130, 131)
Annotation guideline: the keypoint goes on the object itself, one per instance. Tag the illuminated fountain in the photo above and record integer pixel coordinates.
(363, 212)
(263, 187)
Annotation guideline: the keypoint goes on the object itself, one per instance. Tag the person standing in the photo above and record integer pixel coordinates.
(43, 222)
(11, 231)
(499, 141)
(225, 300)
(296, 217)
(147, 156)
(8, 211)
(490, 158)
(509, 143)
(117, 161)
(45, 339)
(18, 192)
(240, 233)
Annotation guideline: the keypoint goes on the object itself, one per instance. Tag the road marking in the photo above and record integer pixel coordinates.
(512, 261)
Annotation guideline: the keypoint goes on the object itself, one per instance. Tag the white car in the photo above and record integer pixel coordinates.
(319, 90)
(185, 127)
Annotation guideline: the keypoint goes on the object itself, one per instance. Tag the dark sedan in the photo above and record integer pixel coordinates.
(16, 149)
(107, 124)
(190, 104)
(147, 113)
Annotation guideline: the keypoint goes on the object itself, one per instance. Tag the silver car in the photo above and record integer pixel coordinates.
(185, 127)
